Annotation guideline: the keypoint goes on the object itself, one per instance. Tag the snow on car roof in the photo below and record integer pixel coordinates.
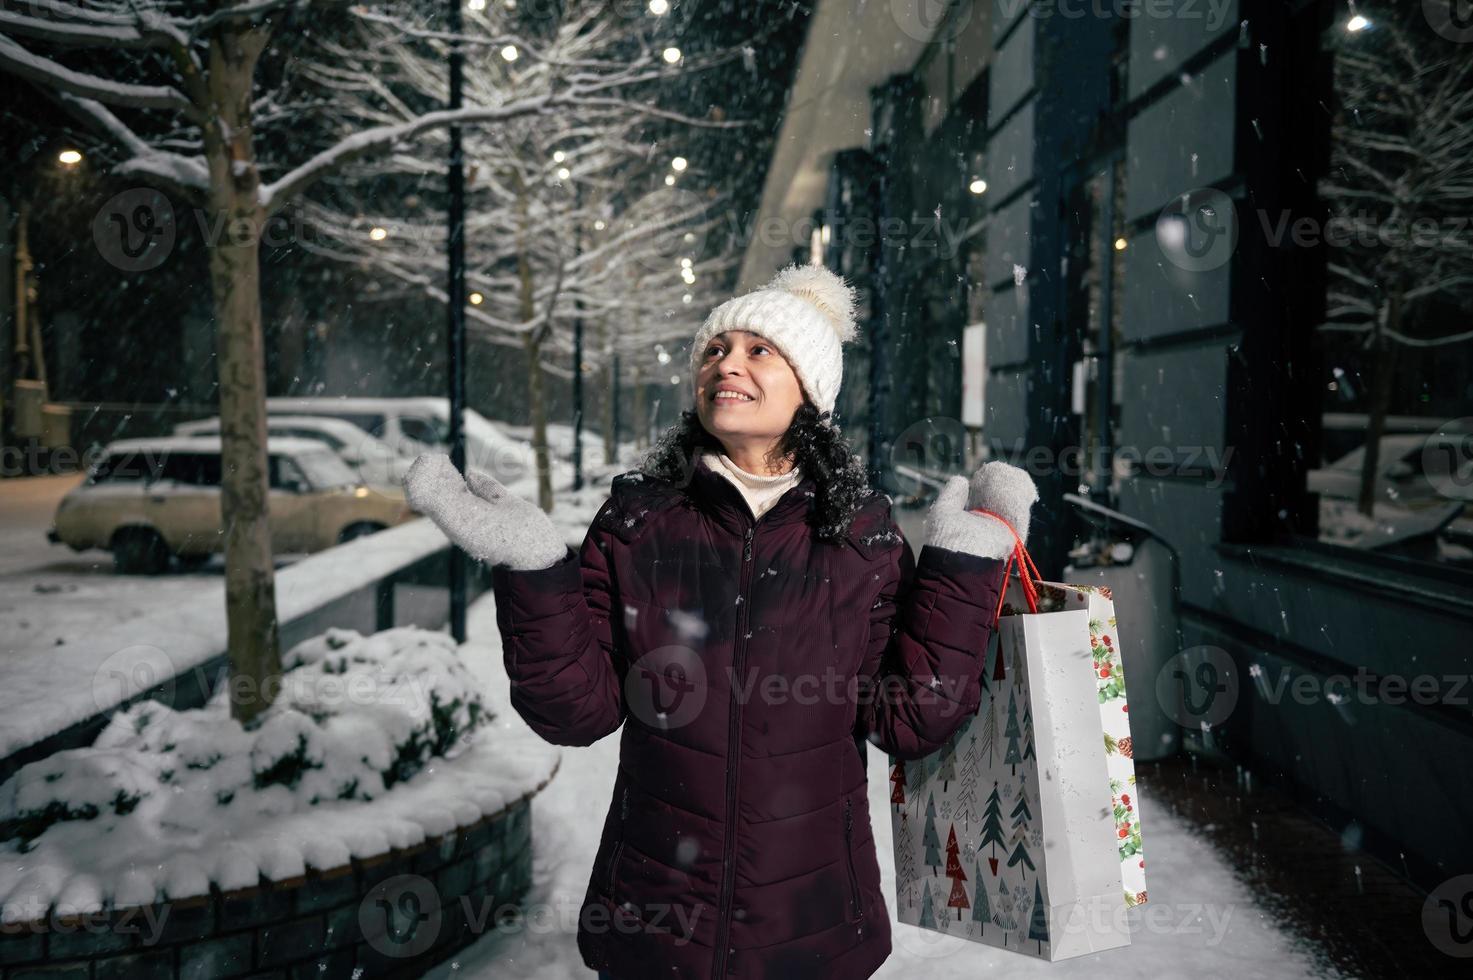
(360, 403)
(209, 444)
(477, 425)
(326, 423)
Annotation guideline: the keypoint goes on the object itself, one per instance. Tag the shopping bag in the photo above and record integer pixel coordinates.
(1023, 831)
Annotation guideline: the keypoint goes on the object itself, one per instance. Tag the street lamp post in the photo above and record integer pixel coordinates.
(578, 403)
(577, 351)
(455, 289)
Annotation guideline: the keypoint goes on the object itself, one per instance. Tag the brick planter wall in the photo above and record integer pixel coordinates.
(391, 916)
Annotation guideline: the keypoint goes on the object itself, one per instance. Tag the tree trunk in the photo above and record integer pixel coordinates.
(611, 395)
(1383, 359)
(611, 391)
(532, 341)
(236, 220)
(638, 415)
(537, 402)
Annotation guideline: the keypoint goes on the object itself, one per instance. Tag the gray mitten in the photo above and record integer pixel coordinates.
(1005, 490)
(483, 518)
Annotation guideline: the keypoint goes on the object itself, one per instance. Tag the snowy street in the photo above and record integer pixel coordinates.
(1150, 319)
(1200, 920)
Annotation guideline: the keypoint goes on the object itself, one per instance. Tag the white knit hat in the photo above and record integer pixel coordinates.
(807, 312)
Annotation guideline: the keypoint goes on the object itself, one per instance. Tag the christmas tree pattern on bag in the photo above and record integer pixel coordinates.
(970, 812)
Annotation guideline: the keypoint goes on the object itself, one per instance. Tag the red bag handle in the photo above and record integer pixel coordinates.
(1025, 566)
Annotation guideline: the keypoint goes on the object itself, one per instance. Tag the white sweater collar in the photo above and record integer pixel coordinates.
(760, 492)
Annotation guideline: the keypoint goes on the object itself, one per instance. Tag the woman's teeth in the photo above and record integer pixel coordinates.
(722, 396)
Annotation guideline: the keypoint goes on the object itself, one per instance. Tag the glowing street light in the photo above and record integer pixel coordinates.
(475, 4)
(977, 186)
(599, 225)
(663, 357)
(671, 55)
(563, 173)
(1120, 244)
(509, 53)
(669, 180)
(685, 263)
(679, 164)
(659, 7)
(476, 299)
(1357, 24)
(378, 234)
(69, 158)
(559, 156)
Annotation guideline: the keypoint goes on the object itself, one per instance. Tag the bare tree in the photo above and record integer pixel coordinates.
(173, 89)
(573, 216)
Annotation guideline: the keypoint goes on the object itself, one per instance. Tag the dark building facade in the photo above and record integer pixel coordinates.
(1160, 341)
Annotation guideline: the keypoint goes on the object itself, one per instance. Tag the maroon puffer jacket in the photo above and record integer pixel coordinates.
(738, 841)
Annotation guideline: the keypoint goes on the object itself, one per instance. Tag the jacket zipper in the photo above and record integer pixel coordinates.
(619, 844)
(734, 750)
(856, 906)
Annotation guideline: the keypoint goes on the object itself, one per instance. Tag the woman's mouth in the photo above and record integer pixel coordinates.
(730, 398)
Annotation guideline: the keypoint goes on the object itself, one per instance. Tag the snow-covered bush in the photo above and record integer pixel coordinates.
(356, 715)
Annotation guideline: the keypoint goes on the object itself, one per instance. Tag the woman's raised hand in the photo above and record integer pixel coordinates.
(489, 523)
(1004, 490)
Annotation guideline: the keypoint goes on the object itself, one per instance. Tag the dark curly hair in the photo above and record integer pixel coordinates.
(812, 441)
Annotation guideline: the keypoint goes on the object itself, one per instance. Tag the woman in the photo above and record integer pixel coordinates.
(746, 608)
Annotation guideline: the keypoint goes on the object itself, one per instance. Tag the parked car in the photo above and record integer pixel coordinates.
(373, 460)
(147, 500)
(421, 425)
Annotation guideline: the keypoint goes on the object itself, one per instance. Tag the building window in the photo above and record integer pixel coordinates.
(1396, 477)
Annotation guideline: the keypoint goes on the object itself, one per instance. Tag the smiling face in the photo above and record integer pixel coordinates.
(746, 393)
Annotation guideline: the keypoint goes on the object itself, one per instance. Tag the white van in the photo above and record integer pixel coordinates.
(421, 425)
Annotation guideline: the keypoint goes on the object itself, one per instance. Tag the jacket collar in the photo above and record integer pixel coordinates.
(714, 493)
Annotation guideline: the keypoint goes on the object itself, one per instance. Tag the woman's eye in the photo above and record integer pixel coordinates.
(762, 347)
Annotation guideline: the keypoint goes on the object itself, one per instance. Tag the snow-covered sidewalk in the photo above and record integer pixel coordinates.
(1200, 921)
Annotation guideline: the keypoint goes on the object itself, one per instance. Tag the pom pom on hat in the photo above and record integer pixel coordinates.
(824, 289)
